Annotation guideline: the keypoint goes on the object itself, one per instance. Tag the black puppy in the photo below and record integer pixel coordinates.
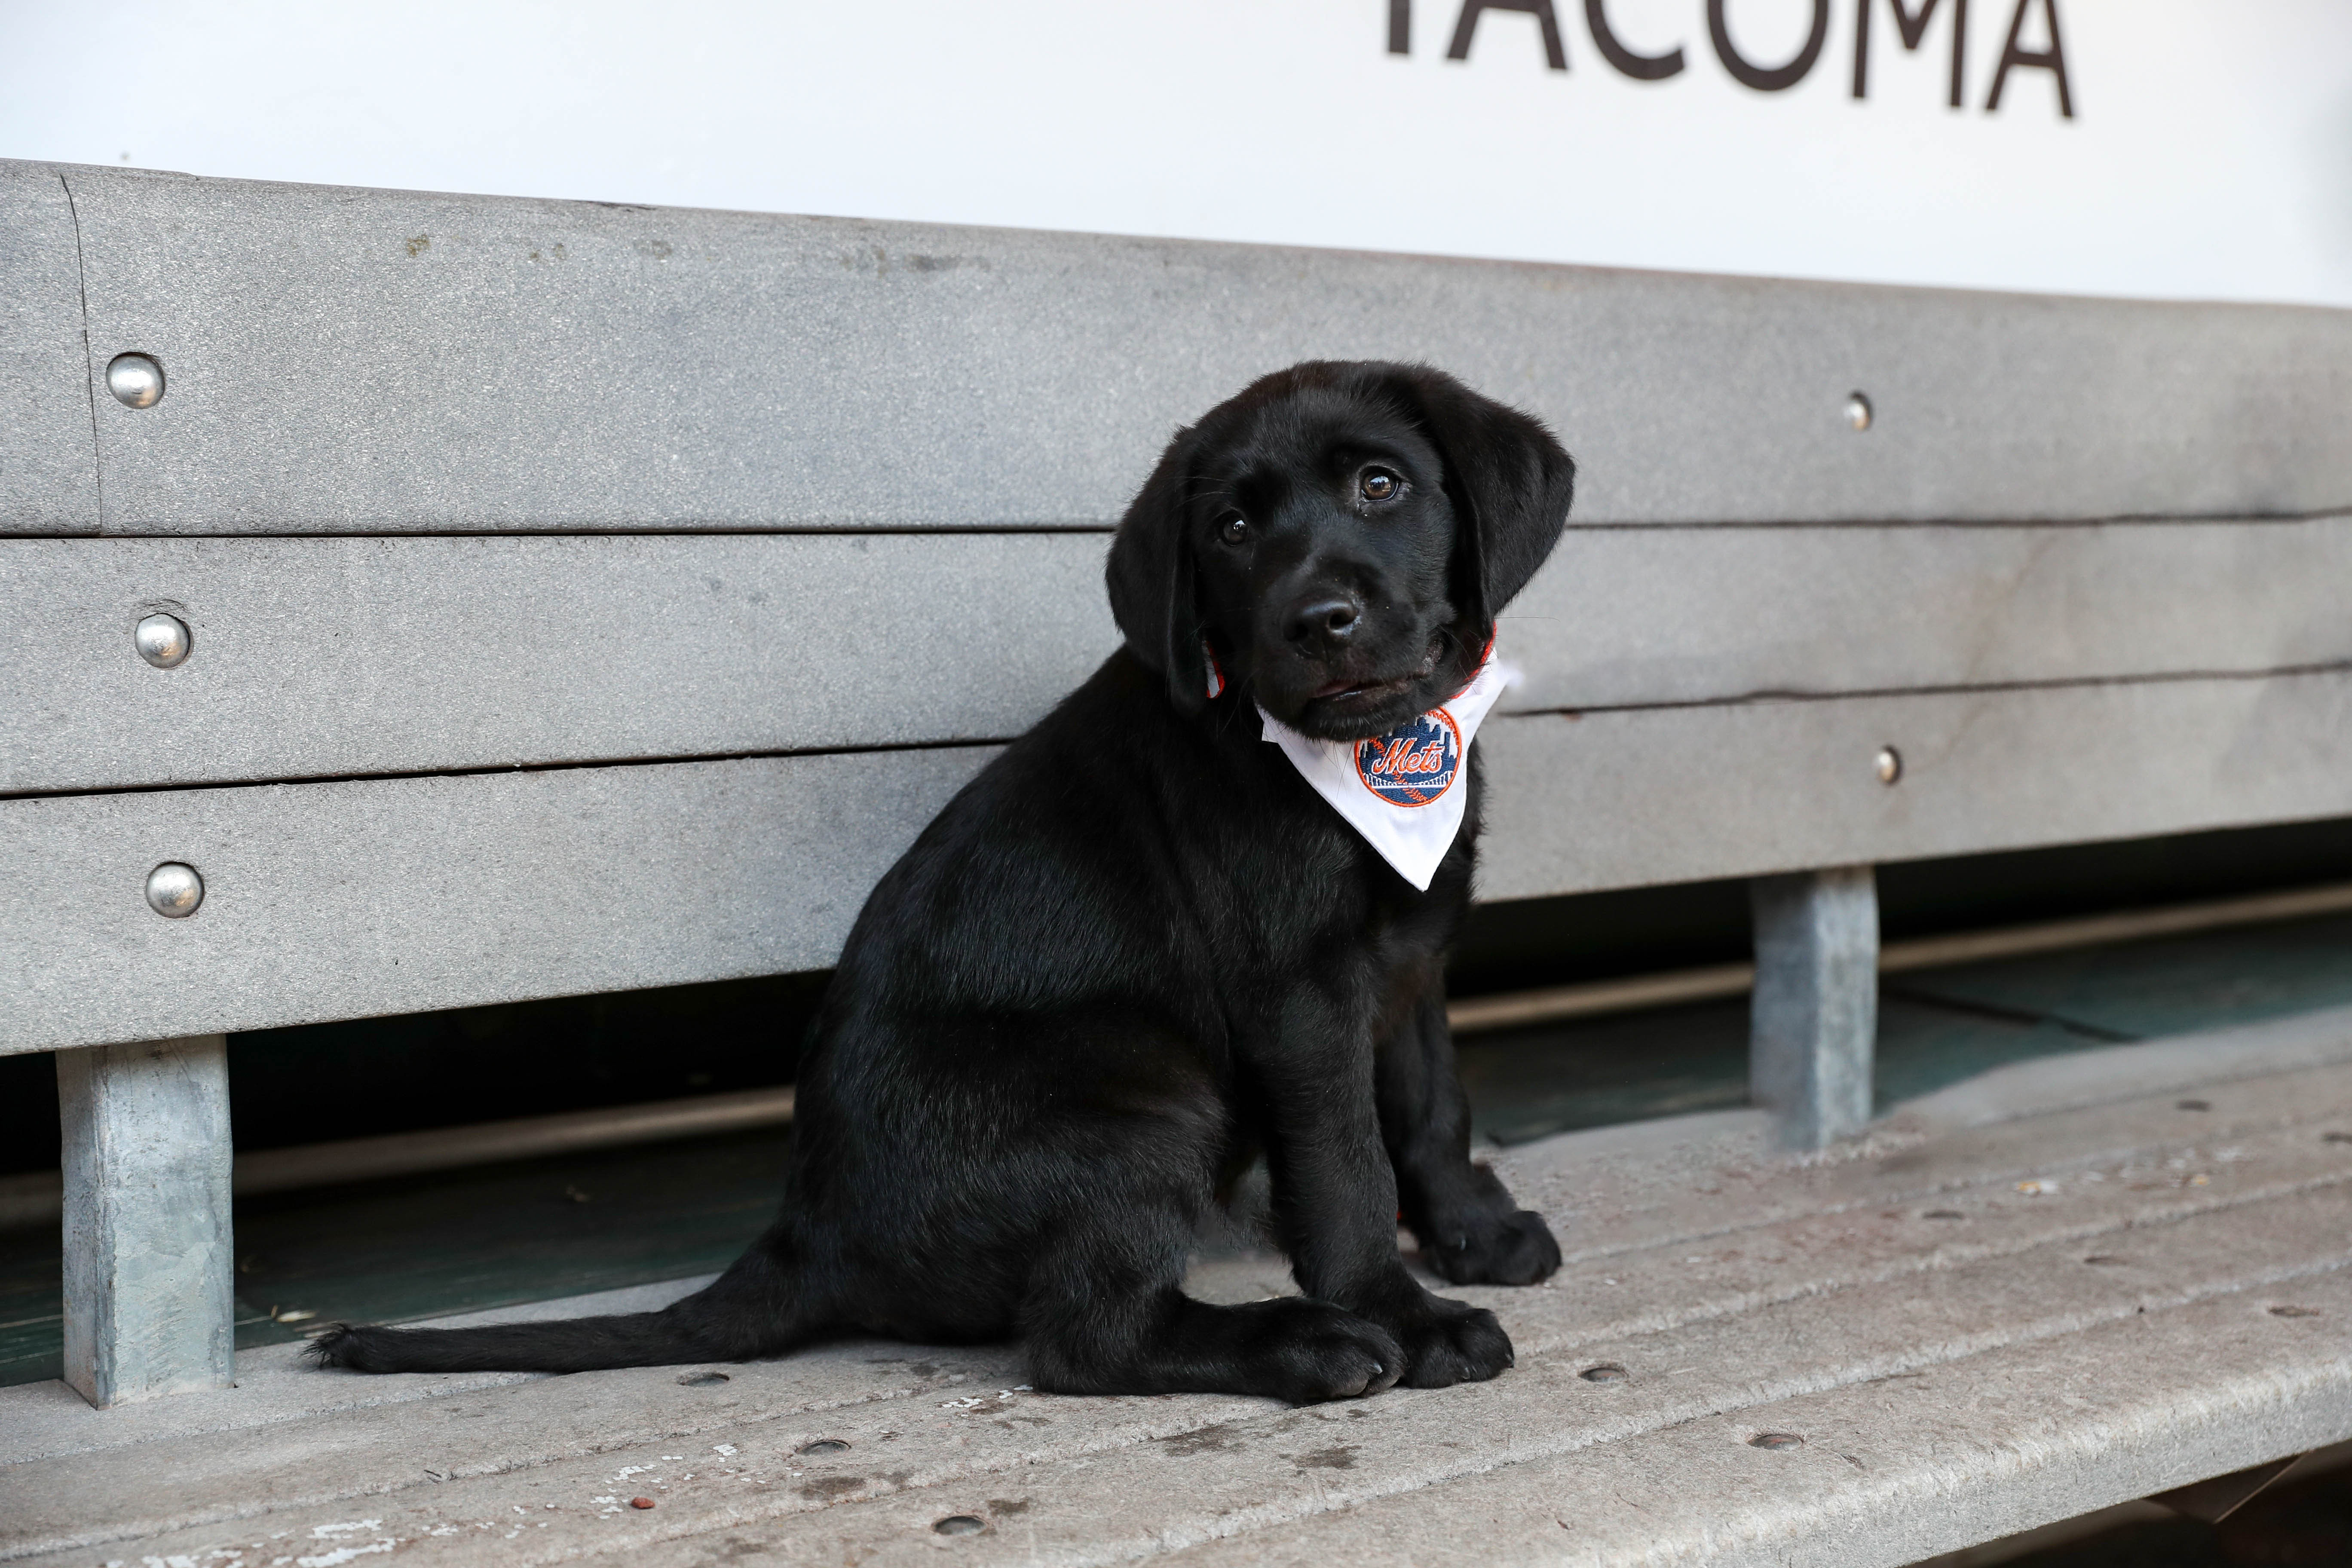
(1137, 949)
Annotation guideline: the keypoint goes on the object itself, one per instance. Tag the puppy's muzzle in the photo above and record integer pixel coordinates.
(1325, 624)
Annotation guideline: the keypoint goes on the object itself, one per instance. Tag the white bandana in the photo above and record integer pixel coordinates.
(1402, 791)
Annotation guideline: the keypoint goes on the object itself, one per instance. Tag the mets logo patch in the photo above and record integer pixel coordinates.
(1413, 764)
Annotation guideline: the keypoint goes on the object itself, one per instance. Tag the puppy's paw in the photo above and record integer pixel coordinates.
(359, 1348)
(1455, 1343)
(1504, 1249)
(1310, 1352)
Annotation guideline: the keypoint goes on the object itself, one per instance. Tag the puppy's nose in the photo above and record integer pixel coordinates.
(1325, 623)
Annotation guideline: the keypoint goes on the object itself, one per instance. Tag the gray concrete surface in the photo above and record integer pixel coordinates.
(1973, 1329)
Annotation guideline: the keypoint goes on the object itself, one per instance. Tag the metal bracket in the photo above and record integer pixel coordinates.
(150, 1289)
(1813, 1020)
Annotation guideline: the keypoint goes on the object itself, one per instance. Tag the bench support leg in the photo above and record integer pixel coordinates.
(149, 1284)
(1814, 1018)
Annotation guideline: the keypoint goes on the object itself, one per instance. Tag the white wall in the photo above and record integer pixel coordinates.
(2211, 153)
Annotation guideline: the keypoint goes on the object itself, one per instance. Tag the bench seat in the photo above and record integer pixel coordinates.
(2040, 1293)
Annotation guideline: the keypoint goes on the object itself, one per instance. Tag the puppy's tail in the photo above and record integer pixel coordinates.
(751, 1310)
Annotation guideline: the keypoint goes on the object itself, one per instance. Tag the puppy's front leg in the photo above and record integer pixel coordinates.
(1470, 1230)
(1335, 1198)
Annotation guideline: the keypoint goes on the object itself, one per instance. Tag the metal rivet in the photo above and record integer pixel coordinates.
(2192, 1105)
(1776, 1441)
(1889, 763)
(1605, 1373)
(1857, 410)
(162, 640)
(825, 1445)
(136, 380)
(175, 891)
(959, 1524)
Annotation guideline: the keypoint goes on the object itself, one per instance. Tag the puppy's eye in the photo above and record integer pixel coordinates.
(1235, 530)
(1379, 484)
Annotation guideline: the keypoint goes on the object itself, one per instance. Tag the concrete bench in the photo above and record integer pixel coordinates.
(572, 597)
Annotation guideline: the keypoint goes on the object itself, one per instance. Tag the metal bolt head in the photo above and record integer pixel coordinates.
(1776, 1441)
(1857, 411)
(175, 891)
(1889, 764)
(824, 1446)
(1605, 1373)
(959, 1524)
(162, 640)
(136, 380)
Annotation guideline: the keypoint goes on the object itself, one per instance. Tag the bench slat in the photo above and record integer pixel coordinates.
(366, 361)
(334, 658)
(1637, 798)
(49, 471)
(328, 657)
(344, 901)
(1638, 616)
(328, 901)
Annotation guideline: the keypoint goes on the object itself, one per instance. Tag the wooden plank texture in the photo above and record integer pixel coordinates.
(2099, 1331)
(49, 450)
(327, 658)
(1626, 617)
(333, 658)
(365, 360)
(339, 900)
(350, 898)
(1633, 797)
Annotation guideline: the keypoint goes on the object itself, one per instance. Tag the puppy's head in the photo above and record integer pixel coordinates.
(1339, 537)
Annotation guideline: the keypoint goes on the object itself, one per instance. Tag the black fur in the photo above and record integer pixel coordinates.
(1137, 949)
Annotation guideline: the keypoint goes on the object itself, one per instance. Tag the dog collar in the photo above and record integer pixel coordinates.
(1402, 792)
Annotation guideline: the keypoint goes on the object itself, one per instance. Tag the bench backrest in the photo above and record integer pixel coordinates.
(590, 596)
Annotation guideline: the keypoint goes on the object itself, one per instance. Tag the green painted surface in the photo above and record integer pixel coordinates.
(2140, 990)
(425, 1245)
(1935, 1027)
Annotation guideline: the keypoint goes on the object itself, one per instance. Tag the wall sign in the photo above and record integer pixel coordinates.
(1911, 29)
(2167, 148)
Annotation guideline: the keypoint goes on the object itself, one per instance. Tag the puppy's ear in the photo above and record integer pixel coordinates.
(1510, 482)
(1150, 577)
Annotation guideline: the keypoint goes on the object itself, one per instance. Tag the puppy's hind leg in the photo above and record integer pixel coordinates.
(1105, 1315)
